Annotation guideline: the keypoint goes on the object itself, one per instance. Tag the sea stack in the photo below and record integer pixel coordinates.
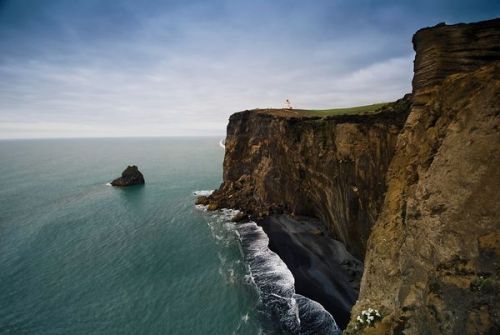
(130, 176)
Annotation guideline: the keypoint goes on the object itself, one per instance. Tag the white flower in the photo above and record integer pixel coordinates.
(367, 317)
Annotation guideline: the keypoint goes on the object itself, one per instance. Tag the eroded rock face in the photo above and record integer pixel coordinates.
(432, 258)
(332, 168)
(448, 49)
(130, 176)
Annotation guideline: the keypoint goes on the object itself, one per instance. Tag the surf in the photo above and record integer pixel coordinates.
(279, 304)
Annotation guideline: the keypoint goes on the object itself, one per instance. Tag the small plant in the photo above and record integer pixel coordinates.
(483, 284)
(367, 318)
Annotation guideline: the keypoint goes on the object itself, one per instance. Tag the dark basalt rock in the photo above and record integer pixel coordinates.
(202, 200)
(130, 176)
(240, 217)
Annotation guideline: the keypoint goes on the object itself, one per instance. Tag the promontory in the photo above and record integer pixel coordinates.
(410, 188)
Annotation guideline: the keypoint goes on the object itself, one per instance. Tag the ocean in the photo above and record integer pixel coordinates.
(80, 257)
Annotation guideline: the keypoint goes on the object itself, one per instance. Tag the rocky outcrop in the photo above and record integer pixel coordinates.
(432, 263)
(448, 49)
(130, 176)
(331, 167)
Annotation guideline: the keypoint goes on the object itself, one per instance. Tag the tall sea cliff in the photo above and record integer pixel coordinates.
(411, 189)
(432, 262)
(329, 167)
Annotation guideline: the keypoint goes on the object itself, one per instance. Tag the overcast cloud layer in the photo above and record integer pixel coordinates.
(171, 68)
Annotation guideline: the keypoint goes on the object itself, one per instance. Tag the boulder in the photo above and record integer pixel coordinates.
(202, 200)
(239, 217)
(130, 176)
(212, 207)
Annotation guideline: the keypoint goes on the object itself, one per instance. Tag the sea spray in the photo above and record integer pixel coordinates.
(204, 193)
(222, 143)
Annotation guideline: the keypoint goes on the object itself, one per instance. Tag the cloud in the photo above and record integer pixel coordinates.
(123, 68)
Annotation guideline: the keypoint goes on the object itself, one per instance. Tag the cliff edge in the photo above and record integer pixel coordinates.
(331, 167)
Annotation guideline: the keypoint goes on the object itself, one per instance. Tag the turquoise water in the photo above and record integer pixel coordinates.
(80, 257)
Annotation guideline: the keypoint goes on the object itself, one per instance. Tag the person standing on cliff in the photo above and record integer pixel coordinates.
(288, 104)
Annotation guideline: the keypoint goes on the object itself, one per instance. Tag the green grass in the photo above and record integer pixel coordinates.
(344, 111)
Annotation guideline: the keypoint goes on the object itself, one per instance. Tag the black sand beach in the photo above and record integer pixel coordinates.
(323, 269)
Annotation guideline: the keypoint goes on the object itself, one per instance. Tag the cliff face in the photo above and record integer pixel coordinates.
(432, 263)
(331, 168)
(444, 50)
(433, 250)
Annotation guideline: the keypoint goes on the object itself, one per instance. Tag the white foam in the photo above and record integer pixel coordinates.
(276, 286)
(201, 207)
(108, 184)
(221, 144)
(229, 214)
(274, 281)
(272, 278)
(205, 193)
(318, 320)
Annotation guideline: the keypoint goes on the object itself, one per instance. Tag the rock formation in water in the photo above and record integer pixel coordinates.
(130, 176)
(415, 186)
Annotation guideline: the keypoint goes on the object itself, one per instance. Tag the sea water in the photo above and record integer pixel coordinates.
(78, 256)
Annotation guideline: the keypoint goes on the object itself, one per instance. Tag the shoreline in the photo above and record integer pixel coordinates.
(283, 306)
(323, 269)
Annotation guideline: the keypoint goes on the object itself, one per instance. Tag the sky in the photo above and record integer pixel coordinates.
(98, 68)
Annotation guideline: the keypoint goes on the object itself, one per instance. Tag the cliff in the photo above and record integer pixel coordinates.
(413, 187)
(432, 263)
(444, 50)
(331, 167)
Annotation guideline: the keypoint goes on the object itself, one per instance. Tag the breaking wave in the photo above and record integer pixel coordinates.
(275, 284)
(296, 314)
(205, 193)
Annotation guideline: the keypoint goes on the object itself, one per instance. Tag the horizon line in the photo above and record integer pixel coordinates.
(106, 137)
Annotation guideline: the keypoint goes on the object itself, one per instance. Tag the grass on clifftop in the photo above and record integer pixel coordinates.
(359, 110)
(343, 111)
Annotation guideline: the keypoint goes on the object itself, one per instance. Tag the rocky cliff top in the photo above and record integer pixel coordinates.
(381, 111)
(447, 49)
